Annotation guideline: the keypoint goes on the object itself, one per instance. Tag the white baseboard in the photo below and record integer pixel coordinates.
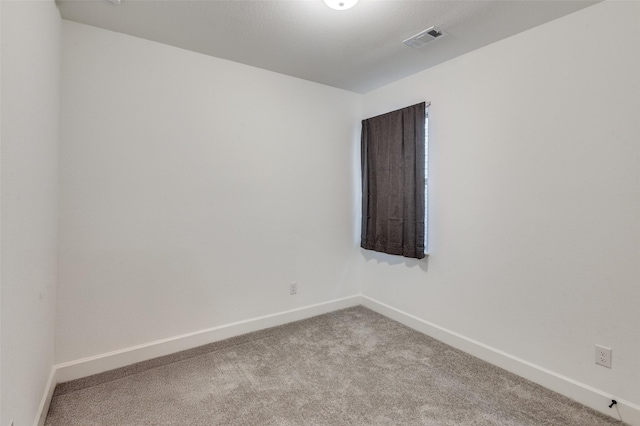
(46, 399)
(626, 411)
(584, 394)
(123, 357)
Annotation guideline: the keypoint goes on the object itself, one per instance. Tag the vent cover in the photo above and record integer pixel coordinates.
(424, 37)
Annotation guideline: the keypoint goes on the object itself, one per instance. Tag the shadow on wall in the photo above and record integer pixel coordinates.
(390, 259)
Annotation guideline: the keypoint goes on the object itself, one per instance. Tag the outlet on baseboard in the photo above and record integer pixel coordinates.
(293, 288)
(603, 356)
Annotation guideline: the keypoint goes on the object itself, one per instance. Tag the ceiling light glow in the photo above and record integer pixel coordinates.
(340, 4)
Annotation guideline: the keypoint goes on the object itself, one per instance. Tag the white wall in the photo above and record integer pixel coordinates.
(535, 197)
(193, 191)
(30, 86)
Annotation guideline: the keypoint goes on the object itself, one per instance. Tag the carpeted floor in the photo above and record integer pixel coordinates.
(351, 367)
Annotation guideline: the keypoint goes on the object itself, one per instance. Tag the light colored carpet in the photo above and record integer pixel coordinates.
(350, 367)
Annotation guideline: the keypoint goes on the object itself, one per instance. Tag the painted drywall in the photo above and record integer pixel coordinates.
(534, 197)
(194, 190)
(29, 177)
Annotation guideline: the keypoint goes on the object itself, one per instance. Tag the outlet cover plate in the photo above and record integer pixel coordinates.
(293, 288)
(603, 356)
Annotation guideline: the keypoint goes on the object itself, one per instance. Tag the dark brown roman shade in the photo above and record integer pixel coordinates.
(393, 182)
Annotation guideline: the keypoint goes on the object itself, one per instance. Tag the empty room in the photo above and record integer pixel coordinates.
(319, 212)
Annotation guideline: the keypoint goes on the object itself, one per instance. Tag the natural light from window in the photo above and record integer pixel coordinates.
(426, 181)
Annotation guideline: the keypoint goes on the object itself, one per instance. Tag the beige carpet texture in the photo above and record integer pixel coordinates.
(350, 367)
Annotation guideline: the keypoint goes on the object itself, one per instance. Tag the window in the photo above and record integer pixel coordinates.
(426, 180)
(393, 182)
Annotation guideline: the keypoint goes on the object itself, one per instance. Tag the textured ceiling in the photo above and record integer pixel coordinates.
(359, 49)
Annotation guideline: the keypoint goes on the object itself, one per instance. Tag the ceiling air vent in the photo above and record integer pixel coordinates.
(424, 37)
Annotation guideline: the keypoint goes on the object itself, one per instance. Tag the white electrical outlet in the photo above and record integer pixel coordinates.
(293, 288)
(603, 356)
